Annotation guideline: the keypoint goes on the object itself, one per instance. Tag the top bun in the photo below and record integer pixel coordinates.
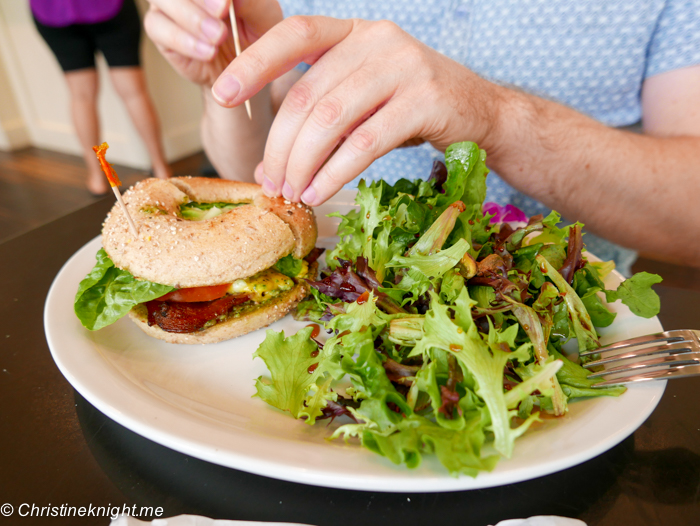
(181, 253)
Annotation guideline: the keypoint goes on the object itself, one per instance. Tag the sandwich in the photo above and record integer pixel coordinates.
(212, 260)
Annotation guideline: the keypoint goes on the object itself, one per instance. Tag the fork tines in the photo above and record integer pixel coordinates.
(653, 357)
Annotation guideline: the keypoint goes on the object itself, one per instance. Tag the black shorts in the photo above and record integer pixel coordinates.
(118, 40)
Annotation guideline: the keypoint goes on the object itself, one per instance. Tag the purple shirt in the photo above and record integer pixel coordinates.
(61, 13)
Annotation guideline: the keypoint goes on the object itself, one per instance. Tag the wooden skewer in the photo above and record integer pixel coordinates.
(237, 45)
(115, 183)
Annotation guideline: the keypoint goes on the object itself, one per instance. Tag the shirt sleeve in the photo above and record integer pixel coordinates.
(675, 42)
(296, 7)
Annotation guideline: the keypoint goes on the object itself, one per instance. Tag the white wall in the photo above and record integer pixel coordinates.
(13, 129)
(34, 104)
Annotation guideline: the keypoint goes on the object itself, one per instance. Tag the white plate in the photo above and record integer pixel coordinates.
(198, 400)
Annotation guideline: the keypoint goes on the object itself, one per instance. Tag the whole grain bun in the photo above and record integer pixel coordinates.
(181, 253)
(255, 319)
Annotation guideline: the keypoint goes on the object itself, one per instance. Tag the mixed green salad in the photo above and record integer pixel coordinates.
(446, 328)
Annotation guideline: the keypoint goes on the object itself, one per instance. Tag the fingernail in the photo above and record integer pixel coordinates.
(203, 49)
(309, 196)
(269, 188)
(226, 88)
(287, 191)
(258, 172)
(212, 29)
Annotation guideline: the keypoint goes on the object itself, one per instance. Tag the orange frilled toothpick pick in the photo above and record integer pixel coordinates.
(114, 182)
(237, 45)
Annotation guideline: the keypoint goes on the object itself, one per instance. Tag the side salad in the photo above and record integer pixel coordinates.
(446, 327)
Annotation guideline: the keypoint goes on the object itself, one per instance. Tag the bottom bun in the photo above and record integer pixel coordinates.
(249, 321)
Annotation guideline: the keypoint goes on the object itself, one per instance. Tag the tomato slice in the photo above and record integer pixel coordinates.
(197, 293)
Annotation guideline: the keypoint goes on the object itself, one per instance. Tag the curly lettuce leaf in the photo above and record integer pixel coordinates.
(107, 293)
(356, 230)
(458, 450)
(452, 284)
(361, 363)
(350, 233)
(587, 284)
(434, 238)
(602, 268)
(442, 382)
(551, 232)
(530, 322)
(575, 383)
(317, 307)
(540, 377)
(434, 265)
(359, 315)
(466, 180)
(484, 362)
(580, 319)
(294, 372)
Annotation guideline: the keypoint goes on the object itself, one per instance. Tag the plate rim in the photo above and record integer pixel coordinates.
(151, 426)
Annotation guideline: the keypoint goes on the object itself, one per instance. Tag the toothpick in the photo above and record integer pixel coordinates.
(115, 183)
(132, 225)
(237, 45)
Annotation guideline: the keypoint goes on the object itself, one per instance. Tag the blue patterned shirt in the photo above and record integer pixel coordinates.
(592, 55)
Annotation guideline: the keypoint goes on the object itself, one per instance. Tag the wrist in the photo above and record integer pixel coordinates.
(512, 119)
(234, 143)
(531, 139)
(216, 116)
(527, 134)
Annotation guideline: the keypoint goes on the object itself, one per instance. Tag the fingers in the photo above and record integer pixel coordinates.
(333, 118)
(190, 28)
(294, 40)
(259, 17)
(376, 137)
(168, 37)
(296, 107)
(361, 98)
(258, 173)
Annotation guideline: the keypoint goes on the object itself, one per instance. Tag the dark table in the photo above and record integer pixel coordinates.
(55, 448)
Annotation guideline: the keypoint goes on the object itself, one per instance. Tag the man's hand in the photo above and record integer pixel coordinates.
(195, 35)
(372, 87)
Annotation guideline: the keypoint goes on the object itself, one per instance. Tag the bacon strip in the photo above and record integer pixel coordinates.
(182, 317)
(314, 254)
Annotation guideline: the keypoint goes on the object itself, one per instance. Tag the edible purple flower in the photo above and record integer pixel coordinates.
(509, 214)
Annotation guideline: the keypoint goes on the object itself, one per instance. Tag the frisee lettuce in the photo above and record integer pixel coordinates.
(294, 372)
(446, 327)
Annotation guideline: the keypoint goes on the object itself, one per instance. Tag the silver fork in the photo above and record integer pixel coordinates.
(660, 356)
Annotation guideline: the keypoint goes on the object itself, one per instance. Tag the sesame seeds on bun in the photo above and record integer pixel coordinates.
(236, 244)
